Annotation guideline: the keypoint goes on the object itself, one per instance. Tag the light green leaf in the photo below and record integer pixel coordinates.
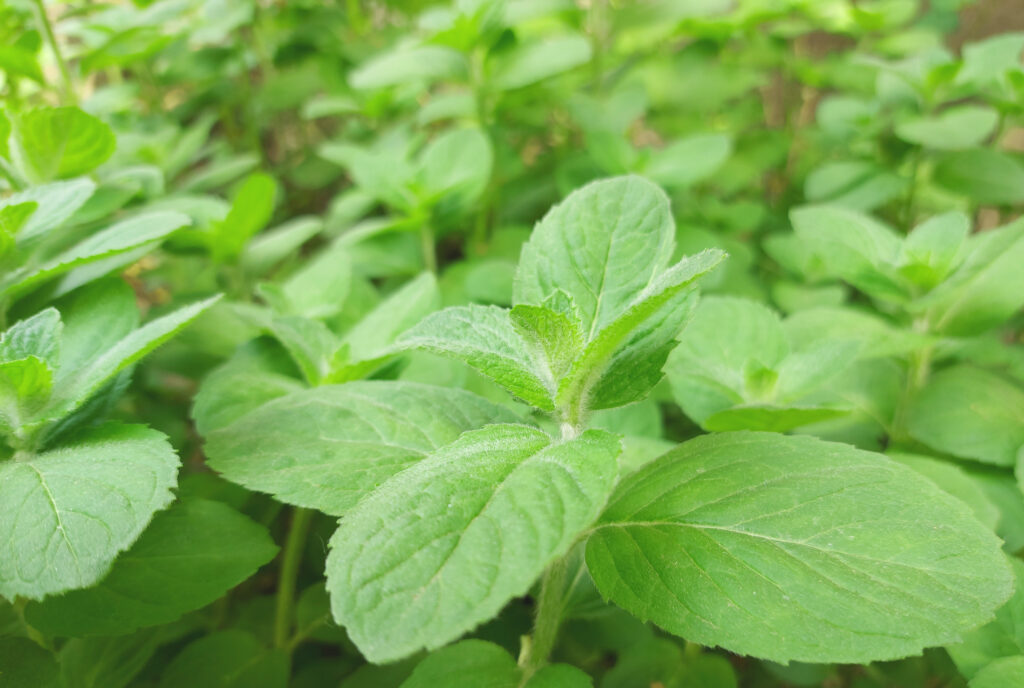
(61, 142)
(984, 175)
(318, 289)
(989, 60)
(271, 247)
(931, 250)
(83, 382)
(876, 337)
(110, 662)
(1008, 671)
(227, 659)
(251, 209)
(852, 246)
(768, 417)
(535, 61)
(552, 336)
(457, 164)
(39, 335)
(56, 203)
(95, 319)
(189, 556)
(123, 237)
(422, 63)
(68, 512)
(959, 127)
(602, 246)
(484, 338)
(24, 664)
(379, 328)
(689, 160)
(445, 544)
(953, 480)
(623, 362)
(1002, 637)
(971, 413)
(987, 288)
(470, 663)
(796, 549)
(325, 448)
(25, 387)
(310, 343)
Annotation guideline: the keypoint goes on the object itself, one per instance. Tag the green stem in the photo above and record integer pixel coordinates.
(919, 365)
(33, 634)
(291, 562)
(427, 247)
(550, 606)
(46, 28)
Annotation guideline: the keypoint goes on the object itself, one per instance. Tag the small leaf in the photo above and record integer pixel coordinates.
(56, 202)
(325, 448)
(984, 175)
(422, 63)
(931, 250)
(61, 142)
(25, 386)
(68, 512)
(445, 544)
(310, 343)
(227, 659)
(121, 238)
(189, 556)
(960, 127)
(1002, 637)
(531, 62)
(790, 548)
(689, 160)
(554, 337)
(251, 209)
(601, 246)
(1008, 671)
(471, 663)
(970, 413)
(87, 380)
(484, 338)
(38, 336)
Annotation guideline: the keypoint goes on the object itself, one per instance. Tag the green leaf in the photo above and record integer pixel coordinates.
(689, 160)
(24, 664)
(445, 544)
(69, 511)
(310, 343)
(551, 336)
(61, 142)
(602, 246)
(989, 60)
(110, 662)
(623, 362)
(535, 61)
(326, 448)
(955, 481)
(485, 338)
(960, 127)
(83, 382)
(273, 246)
(984, 175)
(987, 288)
(227, 659)
(251, 209)
(1001, 673)
(56, 202)
(189, 556)
(971, 413)
(1002, 637)
(422, 63)
(456, 164)
(39, 336)
(318, 289)
(931, 250)
(121, 238)
(851, 246)
(790, 548)
(25, 387)
(471, 663)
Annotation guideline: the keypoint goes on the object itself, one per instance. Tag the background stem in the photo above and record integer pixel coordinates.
(550, 605)
(291, 562)
(46, 28)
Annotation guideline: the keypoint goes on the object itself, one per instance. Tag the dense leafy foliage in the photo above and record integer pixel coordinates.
(510, 343)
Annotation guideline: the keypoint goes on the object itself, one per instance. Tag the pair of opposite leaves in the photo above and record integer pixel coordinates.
(786, 548)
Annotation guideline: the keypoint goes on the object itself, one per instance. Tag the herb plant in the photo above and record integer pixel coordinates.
(512, 344)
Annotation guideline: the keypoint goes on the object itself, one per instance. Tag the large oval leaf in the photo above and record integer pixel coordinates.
(325, 448)
(790, 548)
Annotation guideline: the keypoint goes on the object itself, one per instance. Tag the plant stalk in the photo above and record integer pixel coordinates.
(548, 620)
(428, 248)
(291, 562)
(46, 28)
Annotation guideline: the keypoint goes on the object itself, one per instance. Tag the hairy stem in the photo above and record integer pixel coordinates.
(550, 606)
(46, 28)
(290, 563)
